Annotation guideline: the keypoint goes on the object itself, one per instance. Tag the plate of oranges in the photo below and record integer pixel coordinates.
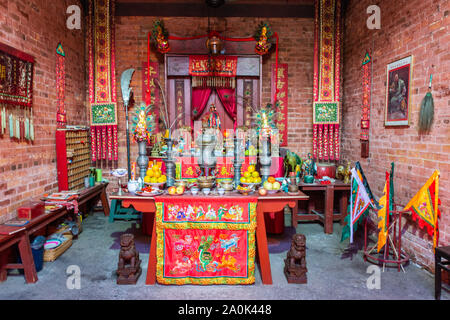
(154, 176)
(251, 177)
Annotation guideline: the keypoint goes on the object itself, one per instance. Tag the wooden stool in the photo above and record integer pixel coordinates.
(119, 212)
(442, 252)
(20, 238)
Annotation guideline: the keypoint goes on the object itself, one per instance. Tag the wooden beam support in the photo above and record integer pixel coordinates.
(201, 10)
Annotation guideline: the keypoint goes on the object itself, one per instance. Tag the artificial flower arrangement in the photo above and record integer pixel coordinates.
(160, 37)
(143, 123)
(263, 35)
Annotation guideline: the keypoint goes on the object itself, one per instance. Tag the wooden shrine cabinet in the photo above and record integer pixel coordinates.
(73, 157)
(179, 84)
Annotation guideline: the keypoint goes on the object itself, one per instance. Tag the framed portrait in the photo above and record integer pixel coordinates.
(398, 89)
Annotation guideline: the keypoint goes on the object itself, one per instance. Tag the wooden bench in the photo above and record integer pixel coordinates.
(21, 235)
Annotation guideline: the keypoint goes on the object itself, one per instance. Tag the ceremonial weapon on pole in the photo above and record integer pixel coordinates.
(125, 80)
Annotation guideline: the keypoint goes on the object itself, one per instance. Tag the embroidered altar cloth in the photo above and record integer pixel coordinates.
(205, 240)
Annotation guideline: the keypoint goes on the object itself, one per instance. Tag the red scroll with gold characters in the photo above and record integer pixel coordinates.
(205, 241)
(327, 51)
(280, 93)
(102, 81)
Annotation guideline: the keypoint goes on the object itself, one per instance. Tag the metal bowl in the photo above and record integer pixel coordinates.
(181, 183)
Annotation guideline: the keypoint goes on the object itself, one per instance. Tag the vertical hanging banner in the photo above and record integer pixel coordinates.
(150, 93)
(327, 56)
(280, 93)
(102, 81)
(60, 86)
(365, 116)
(148, 82)
(179, 102)
(248, 102)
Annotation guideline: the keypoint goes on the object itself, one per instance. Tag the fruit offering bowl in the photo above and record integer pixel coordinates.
(245, 190)
(252, 185)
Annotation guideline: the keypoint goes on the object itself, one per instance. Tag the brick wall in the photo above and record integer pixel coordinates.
(296, 39)
(413, 27)
(36, 26)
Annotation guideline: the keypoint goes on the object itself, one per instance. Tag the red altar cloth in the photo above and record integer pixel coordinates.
(205, 240)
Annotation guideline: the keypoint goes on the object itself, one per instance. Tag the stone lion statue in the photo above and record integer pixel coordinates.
(295, 263)
(129, 266)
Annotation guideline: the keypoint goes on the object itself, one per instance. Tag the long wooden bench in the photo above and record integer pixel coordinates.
(21, 235)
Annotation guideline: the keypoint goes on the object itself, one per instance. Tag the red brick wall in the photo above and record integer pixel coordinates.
(296, 39)
(29, 170)
(413, 27)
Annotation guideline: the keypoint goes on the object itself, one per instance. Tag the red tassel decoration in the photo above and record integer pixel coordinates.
(103, 142)
(336, 140)
(331, 134)
(116, 143)
(109, 143)
(93, 144)
(99, 142)
(315, 141)
(325, 141)
(320, 151)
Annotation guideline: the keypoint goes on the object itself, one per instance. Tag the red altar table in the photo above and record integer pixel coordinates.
(265, 204)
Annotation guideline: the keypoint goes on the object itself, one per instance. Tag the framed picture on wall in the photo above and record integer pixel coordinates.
(398, 89)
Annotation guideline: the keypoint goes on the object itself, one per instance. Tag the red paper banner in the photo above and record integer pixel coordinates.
(280, 87)
(207, 66)
(148, 84)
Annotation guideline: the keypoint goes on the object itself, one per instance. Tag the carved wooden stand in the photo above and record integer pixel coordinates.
(393, 246)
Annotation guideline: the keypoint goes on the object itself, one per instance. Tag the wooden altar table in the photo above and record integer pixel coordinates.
(265, 204)
(327, 217)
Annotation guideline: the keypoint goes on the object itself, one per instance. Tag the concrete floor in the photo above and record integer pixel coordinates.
(329, 275)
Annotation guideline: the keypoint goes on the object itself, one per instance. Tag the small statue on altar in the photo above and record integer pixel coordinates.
(295, 262)
(129, 266)
(181, 145)
(212, 119)
(344, 173)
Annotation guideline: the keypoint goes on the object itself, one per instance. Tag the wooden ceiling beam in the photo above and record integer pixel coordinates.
(201, 10)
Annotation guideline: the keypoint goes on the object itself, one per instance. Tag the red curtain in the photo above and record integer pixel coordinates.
(200, 96)
(228, 99)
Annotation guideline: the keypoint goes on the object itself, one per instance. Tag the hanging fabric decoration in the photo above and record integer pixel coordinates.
(60, 86)
(424, 207)
(326, 90)
(3, 121)
(365, 116)
(102, 81)
(213, 71)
